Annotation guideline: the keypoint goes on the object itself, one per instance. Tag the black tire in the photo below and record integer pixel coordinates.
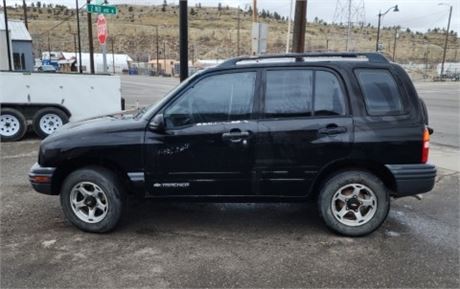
(344, 178)
(56, 112)
(12, 119)
(112, 188)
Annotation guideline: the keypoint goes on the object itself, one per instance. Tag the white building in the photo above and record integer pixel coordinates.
(116, 63)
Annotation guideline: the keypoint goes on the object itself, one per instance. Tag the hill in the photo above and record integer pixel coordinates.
(213, 33)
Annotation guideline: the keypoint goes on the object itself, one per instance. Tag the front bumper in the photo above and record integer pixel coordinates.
(41, 178)
(413, 179)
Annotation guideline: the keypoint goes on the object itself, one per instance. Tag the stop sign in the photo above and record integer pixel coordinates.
(101, 29)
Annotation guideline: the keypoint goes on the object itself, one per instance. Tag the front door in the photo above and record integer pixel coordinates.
(304, 126)
(207, 147)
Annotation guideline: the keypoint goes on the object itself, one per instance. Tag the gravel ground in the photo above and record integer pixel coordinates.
(178, 245)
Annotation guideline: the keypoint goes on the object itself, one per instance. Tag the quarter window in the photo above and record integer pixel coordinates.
(217, 98)
(380, 91)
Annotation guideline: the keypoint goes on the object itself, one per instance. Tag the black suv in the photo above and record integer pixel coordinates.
(345, 129)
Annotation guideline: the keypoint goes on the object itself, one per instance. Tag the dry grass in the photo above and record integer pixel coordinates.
(213, 34)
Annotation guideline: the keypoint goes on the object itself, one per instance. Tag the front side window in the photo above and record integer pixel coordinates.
(302, 92)
(381, 94)
(217, 98)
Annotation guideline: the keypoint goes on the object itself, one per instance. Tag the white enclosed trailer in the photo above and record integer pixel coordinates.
(451, 70)
(49, 100)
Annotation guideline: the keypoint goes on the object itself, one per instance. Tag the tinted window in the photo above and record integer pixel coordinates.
(329, 99)
(214, 99)
(292, 93)
(288, 93)
(380, 91)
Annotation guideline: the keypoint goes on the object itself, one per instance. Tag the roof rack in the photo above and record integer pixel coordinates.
(372, 57)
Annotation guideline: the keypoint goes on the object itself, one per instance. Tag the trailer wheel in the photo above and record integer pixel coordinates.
(48, 120)
(13, 125)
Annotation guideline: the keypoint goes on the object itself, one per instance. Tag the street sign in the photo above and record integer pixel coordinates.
(101, 9)
(101, 29)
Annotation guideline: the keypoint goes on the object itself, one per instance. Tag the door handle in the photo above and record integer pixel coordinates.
(235, 136)
(332, 129)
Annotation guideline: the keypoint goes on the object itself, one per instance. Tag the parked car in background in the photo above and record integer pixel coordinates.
(345, 129)
(47, 68)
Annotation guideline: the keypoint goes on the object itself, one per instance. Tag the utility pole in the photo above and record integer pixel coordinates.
(75, 45)
(7, 30)
(90, 40)
(49, 48)
(183, 35)
(24, 7)
(445, 43)
(164, 56)
(77, 10)
(300, 21)
(113, 55)
(288, 36)
(394, 43)
(158, 52)
(238, 34)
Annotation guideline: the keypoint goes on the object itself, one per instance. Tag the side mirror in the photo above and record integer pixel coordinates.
(157, 124)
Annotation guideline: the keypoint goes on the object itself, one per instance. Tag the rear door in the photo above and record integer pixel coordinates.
(305, 125)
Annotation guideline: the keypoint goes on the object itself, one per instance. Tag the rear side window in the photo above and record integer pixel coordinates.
(329, 99)
(380, 91)
(289, 93)
(299, 93)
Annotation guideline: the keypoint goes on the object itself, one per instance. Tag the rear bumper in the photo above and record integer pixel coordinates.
(41, 178)
(413, 179)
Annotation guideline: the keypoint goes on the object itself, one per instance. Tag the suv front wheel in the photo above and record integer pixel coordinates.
(92, 199)
(354, 203)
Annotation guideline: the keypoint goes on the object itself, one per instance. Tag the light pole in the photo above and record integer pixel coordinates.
(447, 37)
(395, 9)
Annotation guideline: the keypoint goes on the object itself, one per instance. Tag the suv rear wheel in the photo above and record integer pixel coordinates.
(92, 199)
(354, 203)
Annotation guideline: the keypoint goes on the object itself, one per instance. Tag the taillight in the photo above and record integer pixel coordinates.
(426, 145)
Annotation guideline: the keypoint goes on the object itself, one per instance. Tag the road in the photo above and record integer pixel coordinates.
(443, 103)
(144, 90)
(195, 245)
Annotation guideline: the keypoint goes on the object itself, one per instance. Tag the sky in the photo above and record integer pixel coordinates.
(418, 15)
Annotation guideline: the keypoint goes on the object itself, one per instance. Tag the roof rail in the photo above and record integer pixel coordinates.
(372, 57)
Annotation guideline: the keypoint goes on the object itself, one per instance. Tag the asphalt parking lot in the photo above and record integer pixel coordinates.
(195, 245)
